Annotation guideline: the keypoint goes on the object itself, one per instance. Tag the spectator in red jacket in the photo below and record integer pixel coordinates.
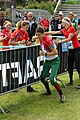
(20, 36)
(45, 23)
(6, 33)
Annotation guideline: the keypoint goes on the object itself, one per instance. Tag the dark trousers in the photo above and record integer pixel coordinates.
(74, 57)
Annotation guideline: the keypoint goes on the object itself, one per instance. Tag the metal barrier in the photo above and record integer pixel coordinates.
(22, 66)
(19, 67)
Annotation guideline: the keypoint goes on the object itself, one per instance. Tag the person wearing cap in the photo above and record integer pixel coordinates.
(6, 33)
(58, 25)
(32, 26)
(71, 35)
(20, 36)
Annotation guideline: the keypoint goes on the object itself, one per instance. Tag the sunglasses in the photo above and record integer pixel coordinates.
(29, 16)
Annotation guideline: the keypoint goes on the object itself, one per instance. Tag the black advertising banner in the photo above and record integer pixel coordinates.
(12, 69)
(34, 64)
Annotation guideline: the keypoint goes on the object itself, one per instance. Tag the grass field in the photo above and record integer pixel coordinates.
(32, 106)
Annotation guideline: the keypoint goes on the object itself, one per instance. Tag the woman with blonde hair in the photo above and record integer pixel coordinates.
(20, 36)
(6, 33)
(70, 36)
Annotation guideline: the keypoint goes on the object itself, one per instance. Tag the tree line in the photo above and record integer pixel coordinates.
(24, 1)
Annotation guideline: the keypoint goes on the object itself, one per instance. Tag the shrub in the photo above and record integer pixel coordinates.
(42, 5)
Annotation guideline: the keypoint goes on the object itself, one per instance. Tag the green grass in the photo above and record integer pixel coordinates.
(31, 106)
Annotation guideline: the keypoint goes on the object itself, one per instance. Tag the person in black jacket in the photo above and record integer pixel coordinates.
(52, 23)
(32, 27)
(31, 32)
(58, 25)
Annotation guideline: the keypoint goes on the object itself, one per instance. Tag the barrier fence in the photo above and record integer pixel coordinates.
(21, 67)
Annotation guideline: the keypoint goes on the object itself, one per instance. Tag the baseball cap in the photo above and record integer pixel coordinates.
(71, 13)
(60, 13)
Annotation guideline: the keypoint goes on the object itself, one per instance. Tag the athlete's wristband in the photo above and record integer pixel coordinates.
(19, 42)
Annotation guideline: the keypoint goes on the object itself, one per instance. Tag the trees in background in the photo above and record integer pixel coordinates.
(37, 4)
(24, 1)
